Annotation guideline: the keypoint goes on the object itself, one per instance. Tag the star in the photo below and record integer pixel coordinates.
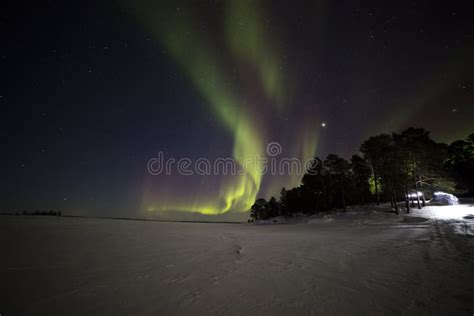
(323, 124)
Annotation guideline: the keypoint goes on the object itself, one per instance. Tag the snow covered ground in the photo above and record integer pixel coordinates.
(357, 263)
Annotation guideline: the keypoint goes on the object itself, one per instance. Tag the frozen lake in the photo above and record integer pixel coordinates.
(370, 263)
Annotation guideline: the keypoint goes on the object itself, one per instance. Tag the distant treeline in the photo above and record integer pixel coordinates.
(390, 168)
(35, 213)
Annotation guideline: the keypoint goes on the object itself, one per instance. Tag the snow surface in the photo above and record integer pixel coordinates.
(360, 263)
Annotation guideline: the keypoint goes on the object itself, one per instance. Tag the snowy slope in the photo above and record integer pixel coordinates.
(378, 264)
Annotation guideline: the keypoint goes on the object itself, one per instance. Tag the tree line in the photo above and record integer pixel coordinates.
(390, 168)
(34, 213)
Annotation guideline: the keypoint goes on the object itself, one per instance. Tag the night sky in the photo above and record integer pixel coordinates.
(91, 90)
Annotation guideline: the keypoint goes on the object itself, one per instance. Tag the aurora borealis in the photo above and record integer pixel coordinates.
(94, 90)
(245, 46)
